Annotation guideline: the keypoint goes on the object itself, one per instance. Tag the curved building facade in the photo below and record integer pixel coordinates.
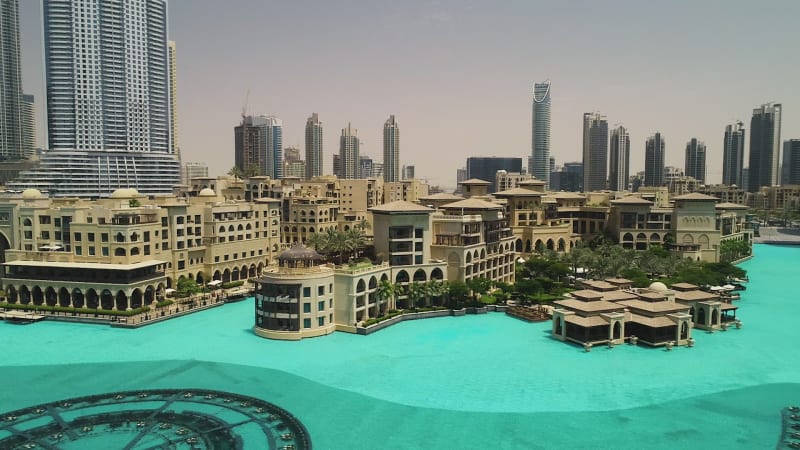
(539, 163)
(295, 300)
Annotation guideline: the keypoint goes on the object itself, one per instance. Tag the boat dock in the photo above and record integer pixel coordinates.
(21, 317)
(778, 236)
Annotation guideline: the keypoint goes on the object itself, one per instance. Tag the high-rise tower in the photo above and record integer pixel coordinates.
(695, 166)
(733, 155)
(654, 160)
(313, 146)
(539, 162)
(765, 140)
(348, 153)
(391, 150)
(28, 126)
(11, 139)
(173, 99)
(108, 99)
(595, 151)
(259, 146)
(620, 156)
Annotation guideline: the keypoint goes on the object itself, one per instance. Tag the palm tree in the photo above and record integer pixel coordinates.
(336, 242)
(416, 292)
(355, 240)
(437, 288)
(318, 241)
(386, 291)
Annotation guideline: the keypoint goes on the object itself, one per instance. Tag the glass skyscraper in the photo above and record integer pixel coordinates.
(765, 141)
(391, 150)
(539, 162)
(349, 157)
(259, 146)
(108, 99)
(595, 151)
(733, 155)
(654, 160)
(11, 102)
(313, 146)
(619, 156)
(695, 166)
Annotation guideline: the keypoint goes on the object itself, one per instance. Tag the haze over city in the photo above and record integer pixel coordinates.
(458, 75)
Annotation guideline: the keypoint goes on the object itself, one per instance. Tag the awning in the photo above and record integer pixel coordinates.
(214, 282)
(169, 290)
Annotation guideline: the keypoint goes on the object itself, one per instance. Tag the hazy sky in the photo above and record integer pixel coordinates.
(458, 74)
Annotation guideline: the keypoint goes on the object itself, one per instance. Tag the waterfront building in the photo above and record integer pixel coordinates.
(126, 142)
(733, 154)
(12, 143)
(619, 159)
(191, 170)
(391, 150)
(765, 141)
(258, 146)
(534, 222)
(349, 157)
(474, 238)
(695, 166)
(654, 160)
(539, 161)
(485, 168)
(595, 151)
(314, 155)
(123, 252)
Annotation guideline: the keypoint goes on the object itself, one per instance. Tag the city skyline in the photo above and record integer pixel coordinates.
(433, 104)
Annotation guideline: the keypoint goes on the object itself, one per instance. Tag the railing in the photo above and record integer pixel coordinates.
(360, 269)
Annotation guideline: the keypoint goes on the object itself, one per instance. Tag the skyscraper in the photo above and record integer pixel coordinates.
(733, 154)
(654, 160)
(620, 157)
(293, 166)
(28, 126)
(791, 162)
(391, 150)
(539, 162)
(348, 153)
(313, 146)
(595, 151)
(259, 146)
(173, 99)
(11, 140)
(765, 140)
(695, 165)
(108, 99)
(366, 167)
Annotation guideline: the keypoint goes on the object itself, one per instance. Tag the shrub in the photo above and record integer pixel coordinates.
(232, 284)
(164, 303)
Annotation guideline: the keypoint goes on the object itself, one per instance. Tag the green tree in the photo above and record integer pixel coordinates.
(416, 292)
(187, 287)
(134, 203)
(318, 241)
(478, 286)
(457, 293)
(386, 291)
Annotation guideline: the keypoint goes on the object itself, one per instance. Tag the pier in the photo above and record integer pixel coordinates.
(778, 236)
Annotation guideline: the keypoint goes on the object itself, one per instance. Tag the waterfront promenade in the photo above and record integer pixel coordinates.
(778, 236)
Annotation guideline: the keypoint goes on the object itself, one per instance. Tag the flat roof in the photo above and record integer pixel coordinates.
(653, 322)
(600, 285)
(84, 265)
(615, 296)
(695, 295)
(619, 281)
(587, 294)
(595, 306)
(684, 286)
(655, 307)
(593, 321)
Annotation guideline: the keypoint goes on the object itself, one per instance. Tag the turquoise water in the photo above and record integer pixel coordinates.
(469, 382)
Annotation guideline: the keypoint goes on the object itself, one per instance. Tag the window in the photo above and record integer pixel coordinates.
(181, 264)
(164, 221)
(45, 235)
(44, 220)
(146, 249)
(306, 292)
(216, 259)
(418, 259)
(28, 234)
(77, 237)
(320, 290)
(91, 251)
(321, 306)
(57, 221)
(147, 236)
(321, 321)
(306, 307)
(104, 251)
(306, 323)
(90, 237)
(330, 304)
(78, 250)
(103, 237)
(58, 235)
(418, 233)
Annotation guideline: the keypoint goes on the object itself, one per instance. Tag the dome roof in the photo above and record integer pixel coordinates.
(207, 192)
(658, 287)
(125, 193)
(30, 194)
(299, 252)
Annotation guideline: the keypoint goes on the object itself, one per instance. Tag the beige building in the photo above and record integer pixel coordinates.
(407, 190)
(133, 239)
